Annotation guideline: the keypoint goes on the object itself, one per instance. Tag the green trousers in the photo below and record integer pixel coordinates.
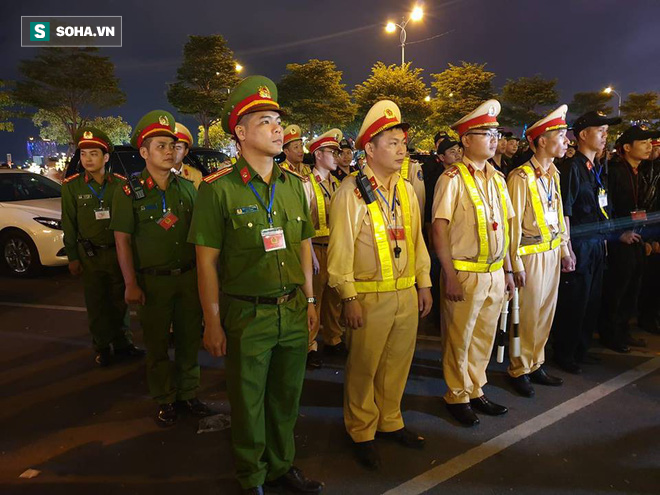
(265, 363)
(104, 298)
(171, 301)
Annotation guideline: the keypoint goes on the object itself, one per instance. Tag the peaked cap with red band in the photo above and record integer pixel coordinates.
(553, 121)
(183, 134)
(91, 137)
(291, 133)
(253, 94)
(485, 115)
(384, 115)
(155, 123)
(328, 139)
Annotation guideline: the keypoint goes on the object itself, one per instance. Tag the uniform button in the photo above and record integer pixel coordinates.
(250, 224)
(298, 219)
(274, 213)
(284, 288)
(151, 217)
(282, 263)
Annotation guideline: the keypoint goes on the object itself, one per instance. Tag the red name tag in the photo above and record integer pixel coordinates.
(168, 220)
(397, 234)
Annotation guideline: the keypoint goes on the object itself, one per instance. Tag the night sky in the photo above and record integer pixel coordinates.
(586, 44)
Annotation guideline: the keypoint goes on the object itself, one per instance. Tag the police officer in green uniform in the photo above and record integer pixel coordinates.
(90, 246)
(250, 222)
(151, 224)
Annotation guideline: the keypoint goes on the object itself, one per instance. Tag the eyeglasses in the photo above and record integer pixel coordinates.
(334, 152)
(490, 134)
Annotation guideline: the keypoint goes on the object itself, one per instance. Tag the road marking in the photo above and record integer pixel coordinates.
(44, 306)
(474, 456)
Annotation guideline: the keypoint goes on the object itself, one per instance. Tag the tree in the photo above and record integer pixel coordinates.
(218, 138)
(641, 108)
(8, 105)
(204, 80)
(590, 101)
(525, 97)
(50, 127)
(69, 83)
(313, 96)
(401, 84)
(459, 90)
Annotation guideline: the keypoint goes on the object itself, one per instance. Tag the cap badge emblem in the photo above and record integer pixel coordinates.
(264, 92)
(163, 120)
(88, 135)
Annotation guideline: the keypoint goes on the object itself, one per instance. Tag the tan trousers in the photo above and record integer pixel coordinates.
(468, 332)
(328, 304)
(379, 358)
(537, 301)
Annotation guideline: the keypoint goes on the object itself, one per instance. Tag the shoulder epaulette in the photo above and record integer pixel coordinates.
(521, 172)
(358, 193)
(119, 176)
(303, 178)
(127, 190)
(452, 172)
(216, 175)
(70, 178)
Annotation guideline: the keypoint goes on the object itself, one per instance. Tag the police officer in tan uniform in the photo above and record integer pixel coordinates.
(471, 210)
(411, 170)
(378, 262)
(539, 248)
(294, 151)
(181, 149)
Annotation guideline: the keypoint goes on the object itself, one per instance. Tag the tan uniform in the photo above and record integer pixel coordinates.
(303, 169)
(190, 173)
(469, 326)
(328, 301)
(381, 351)
(416, 177)
(538, 299)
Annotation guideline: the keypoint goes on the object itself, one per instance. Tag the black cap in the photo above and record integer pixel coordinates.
(593, 119)
(440, 135)
(346, 143)
(636, 133)
(445, 145)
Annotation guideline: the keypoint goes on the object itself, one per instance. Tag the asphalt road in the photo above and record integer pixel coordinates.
(86, 430)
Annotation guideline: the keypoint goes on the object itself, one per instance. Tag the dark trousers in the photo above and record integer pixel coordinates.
(623, 278)
(578, 304)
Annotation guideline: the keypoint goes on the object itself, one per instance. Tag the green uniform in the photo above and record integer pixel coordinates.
(266, 343)
(83, 200)
(165, 267)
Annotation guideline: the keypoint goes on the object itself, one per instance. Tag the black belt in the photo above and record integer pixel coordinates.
(266, 300)
(322, 244)
(176, 271)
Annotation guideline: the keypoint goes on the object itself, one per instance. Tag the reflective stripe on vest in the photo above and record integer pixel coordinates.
(381, 237)
(481, 266)
(405, 167)
(323, 230)
(547, 242)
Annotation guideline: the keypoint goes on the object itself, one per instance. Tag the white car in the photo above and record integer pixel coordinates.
(30, 222)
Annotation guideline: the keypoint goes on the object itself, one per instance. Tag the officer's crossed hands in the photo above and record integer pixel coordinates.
(215, 340)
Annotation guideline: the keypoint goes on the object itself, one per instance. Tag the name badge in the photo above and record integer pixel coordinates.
(273, 239)
(638, 215)
(602, 198)
(397, 234)
(552, 217)
(247, 209)
(102, 214)
(168, 220)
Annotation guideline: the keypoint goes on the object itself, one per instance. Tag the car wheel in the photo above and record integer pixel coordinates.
(19, 254)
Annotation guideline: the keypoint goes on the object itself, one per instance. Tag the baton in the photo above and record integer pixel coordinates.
(501, 333)
(515, 319)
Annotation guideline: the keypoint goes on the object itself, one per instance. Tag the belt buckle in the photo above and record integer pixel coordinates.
(282, 299)
(177, 271)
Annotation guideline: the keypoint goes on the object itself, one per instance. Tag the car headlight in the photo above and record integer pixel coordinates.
(53, 223)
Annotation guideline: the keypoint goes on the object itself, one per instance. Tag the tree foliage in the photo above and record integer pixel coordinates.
(70, 84)
(314, 97)
(51, 127)
(8, 107)
(526, 99)
(218, 139)
(204, 80)
(641, 108)
(590, 101)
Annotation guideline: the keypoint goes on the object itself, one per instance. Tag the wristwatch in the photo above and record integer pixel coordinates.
(311, 300)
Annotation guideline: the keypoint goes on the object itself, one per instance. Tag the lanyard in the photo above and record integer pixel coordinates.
(163, 203)
(268, 208)
(99, 196)
(392, 208)
(597, 174)
(548, 191)
(327, 193)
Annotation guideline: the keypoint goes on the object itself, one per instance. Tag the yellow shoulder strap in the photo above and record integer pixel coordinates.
(480, 211)
(323, 230)
(537, 206)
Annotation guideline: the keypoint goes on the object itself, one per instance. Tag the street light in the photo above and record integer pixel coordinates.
(239, 67)
(608, 90)
(427, 98)
(416, 15)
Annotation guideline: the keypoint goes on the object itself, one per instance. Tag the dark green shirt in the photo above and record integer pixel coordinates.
(81, 197)
(153, 246)
(229, 217)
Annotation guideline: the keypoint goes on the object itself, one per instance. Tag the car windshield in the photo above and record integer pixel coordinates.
(211, 160)
(21, 187)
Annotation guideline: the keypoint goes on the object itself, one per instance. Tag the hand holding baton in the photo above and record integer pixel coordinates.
(515, 319)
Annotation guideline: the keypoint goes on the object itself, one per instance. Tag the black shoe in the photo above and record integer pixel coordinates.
(569, 366)
(335, 350)
(103, 358)
(463, 413)
(522, 385)
(590, 359)
(483, 405)
(195, 407)
(403, 436)
(314, 360)
(130, 351)
(367, 455)
(294, 481)
(616, 347)
(255, 490)
(166, 415)
(542, 378)
(630, 340)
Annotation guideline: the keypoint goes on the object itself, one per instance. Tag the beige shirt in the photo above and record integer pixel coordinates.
(524, 228)
(302, 170)
(452, 202)
(416, 178)
(328, 188)
(353, 255)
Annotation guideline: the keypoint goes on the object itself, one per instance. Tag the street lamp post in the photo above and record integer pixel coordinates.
(416, 15)
(610, 90)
